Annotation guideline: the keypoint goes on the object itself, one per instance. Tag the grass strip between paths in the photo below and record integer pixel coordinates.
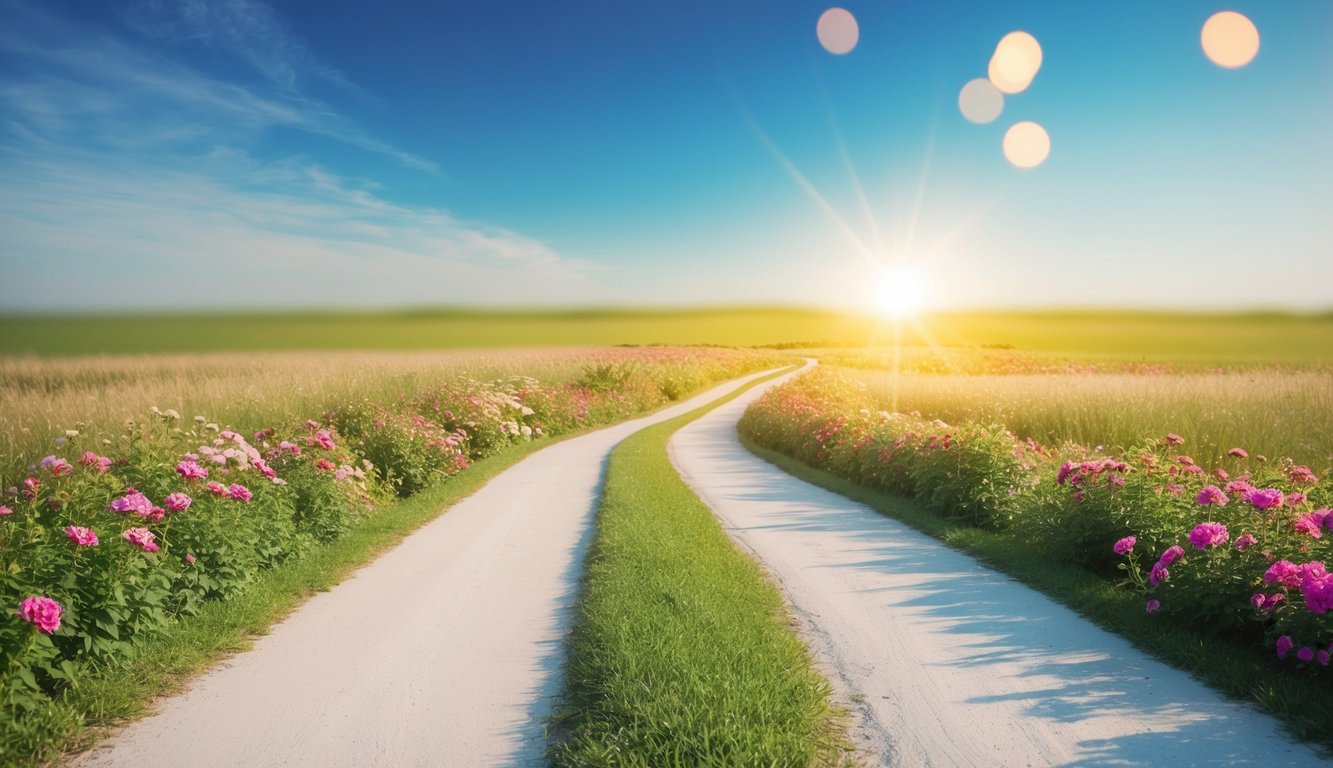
(186, 648)
(682, 651)
(1235, 668)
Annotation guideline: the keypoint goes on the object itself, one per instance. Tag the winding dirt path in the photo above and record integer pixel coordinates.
(444, 651)
(947, 663)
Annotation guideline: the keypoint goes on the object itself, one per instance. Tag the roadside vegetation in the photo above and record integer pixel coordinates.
(1221, 554)
(169, 528)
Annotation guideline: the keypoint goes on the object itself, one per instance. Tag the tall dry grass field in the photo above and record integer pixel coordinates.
(40, 398)
(1275, 413)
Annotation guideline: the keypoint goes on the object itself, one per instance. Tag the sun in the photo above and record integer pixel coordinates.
(899, 292)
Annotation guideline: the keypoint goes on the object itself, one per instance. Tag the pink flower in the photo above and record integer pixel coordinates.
(1244, 542)
(133, 501)
(41, 612)
(1173, 439)
(239, 492)
(1283, 645)
(84, 537)
(1317, 586)
(1283, 572)
(1158, 574)
(1210, 534)
(323, 439)
(93, 461)
(1152, 606)
(1306, 653)
(1175, 488)
(311, 424)
(190, 559)
(291, 448)
(1239, 486)
(324, 464)
(1220, 474)
(1295, 498)
(1238, 453)
(217, 489)
(1212, 495)
(1171, 555)
(1264, 498)
(190, 470)
(1187, 461)
(178, 502)
(1124, 546)
(1313, 523)
(1301, 475)
(58, 466)
(264, 468)
(5, 511)
(1323, 658)
(141, 538)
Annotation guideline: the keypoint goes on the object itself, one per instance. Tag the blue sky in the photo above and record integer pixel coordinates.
(237, 153)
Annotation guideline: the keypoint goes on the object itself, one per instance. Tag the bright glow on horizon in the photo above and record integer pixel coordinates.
(1016, 61)
(1027, 144)
(980, 101)
(1230, 39)
(837, 31)
(900, 292)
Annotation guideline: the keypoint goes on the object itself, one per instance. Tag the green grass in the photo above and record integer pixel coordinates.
(1127, 335)
(1235, 667)
(682, 653)
(165, 663)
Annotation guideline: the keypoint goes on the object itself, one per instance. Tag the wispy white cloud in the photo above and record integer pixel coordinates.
(130, 178)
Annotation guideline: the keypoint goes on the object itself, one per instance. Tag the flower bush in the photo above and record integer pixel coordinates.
(1237, 544)
(111, 536)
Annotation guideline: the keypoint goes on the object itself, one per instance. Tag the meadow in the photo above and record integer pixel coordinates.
(1154, 337)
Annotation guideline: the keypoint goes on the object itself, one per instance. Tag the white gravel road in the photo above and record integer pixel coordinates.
(948, 663)
(445, 651)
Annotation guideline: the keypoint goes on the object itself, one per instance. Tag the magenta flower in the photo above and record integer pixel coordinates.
(1063, 474)
(1264, 498)
(1152, 606)
(323, 439)
(141, 538)
(1283, 645)
(178, 502)
(1283, 572)
(217, 489)
(1306, 653)
(191, 470)
(1124, 546)
(133, 501)
(1210, 534)
(1238, 453)
(1317, 587)
(1171, 555)
(84, 537)
(1323, 658)
(1158, 574)
(1245, 542)
(1295, 498)
(41, 612)
(1312, 524)
(57, 465)
(239, 492)
(1212, 495)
